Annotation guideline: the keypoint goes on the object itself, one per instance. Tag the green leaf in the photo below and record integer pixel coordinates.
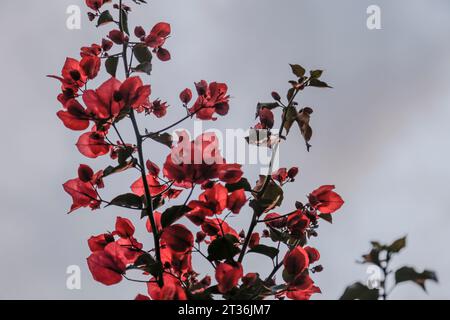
(146, 263)
(173, 214)
(111, 65)
(272, 197)
(318, 84)
(316, 74)
(144, 67)
(124, 154)
(120, 168)
(127, 200)
(409, 274)
(104, 18)
(327, 217)
(242, 184)
(271, 252)
(397, 245)
(290, 116)
(165, 138)
(298, 70)
(142, 53)
(358, 291)
(124, 20)
(223, 248)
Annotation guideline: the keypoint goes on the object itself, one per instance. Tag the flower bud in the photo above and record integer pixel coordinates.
(139, 32)
(293, 172)
(85, 173)
(276, 96)
(186, 96)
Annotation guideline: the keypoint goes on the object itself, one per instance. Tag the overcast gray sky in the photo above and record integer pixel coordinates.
(381, 135)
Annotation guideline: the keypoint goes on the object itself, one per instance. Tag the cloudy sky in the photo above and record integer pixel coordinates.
(381, 135)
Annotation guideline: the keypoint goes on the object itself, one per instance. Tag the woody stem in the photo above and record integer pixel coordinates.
(139, 139)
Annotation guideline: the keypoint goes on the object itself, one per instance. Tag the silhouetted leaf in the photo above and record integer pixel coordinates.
(316, 74)
(165, 138)
(318, 84)
(142, 53)
(298, 70)
(409, 274)
(173, 214)
(129, 200)
(271, 252)
(327, 217)
(397, 245)
(223, 248)
(242, 184)
(146, 263)
(111, 65)
(105, 17)
(358, 291)
(290, 116)
(124, 20)
(145, 67)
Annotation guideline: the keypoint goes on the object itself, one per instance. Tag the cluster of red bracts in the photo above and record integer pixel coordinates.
(191, 163)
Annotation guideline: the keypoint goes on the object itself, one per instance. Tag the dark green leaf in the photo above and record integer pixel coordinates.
(397, 245)
(146, 263)
(290, 116)
(127, 200)
(145, 67)
(243, 184)
(358, 291)
(327, 217)
(318, 84)
(104, 18)
(271, 252)
(173, 214)
(298, 70)
(223, 248)
(165, 138)
(316, 74)
(124, 21)
(111, 65)
(409, 274)
(142, 53)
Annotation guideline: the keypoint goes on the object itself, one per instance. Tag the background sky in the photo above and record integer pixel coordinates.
(381, 135)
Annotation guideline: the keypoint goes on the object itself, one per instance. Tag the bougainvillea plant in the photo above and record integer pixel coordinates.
(380, 256)
(182, 228)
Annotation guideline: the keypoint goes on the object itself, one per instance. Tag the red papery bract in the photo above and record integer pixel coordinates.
(107, 266)
(217, 227)
(134, 93)
(98, 243)
(94, 4)
(141, 297)
(157, 217)
(296, 261)
(212, 201)
(83, 194)
(326, 200)
(212, 99)
(172, 289)
(178, 238)
(228, 276)
(103, 102)
(91, 66)
(93, 145)
(313, 254)
(198, 162)
(266, 117)
(75, 116)
(158, 35)
(180, 263)
(236, 200)
(302, 288)
(155, 187)
(124, 228)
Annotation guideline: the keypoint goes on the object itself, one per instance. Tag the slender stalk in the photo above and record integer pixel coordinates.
(139, 138)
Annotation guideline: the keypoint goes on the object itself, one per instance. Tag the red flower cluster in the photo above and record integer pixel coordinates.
(198, 162)
(212, 99)
(168, 267)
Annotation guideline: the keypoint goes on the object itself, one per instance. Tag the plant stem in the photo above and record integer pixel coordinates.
(139, 138)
